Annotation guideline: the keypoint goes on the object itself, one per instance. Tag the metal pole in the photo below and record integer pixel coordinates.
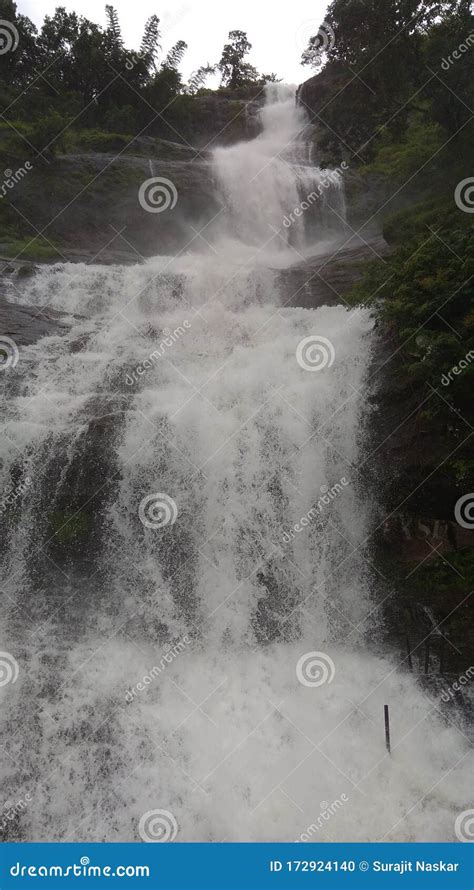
(387, 729)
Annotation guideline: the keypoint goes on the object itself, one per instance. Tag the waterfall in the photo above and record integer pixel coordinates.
(186, 586)
(269, 178)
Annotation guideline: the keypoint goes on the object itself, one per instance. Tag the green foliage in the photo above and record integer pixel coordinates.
(151, 41)
(74, 75)
(409, 123)
(48, 133)
(385, 62)
(424, 297)
(114, 25)
(199, 77)
(396, 159)
(234, 70)
(28, 249)
(175, 55)
(98, 141)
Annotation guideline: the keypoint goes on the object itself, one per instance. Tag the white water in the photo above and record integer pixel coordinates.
(266, 179)
(243, 439)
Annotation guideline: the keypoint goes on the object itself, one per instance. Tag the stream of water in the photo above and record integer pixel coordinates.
(186, 590)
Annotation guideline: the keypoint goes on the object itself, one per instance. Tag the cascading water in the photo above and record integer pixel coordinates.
(267, 178)
(193, 530)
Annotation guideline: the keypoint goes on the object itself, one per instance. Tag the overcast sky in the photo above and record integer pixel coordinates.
(278, 31)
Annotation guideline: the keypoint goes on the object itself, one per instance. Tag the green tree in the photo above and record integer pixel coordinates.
(234, 70)
(114, 25)
(19, 55)
(150, 44)
(175, 55)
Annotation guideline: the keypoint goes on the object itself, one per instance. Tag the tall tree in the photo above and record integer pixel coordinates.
(175, 55)
(114, 28)
(150, 44)
(234, 70)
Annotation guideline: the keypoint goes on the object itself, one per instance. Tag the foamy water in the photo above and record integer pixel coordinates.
(158, 667)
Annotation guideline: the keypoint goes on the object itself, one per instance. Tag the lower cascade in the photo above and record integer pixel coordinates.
(187, 592)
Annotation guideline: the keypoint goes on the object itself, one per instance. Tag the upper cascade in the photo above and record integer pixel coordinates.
(274, 197)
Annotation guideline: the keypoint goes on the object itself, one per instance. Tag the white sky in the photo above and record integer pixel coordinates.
(277, 29)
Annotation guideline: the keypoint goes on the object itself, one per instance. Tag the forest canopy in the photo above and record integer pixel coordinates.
(74, 73)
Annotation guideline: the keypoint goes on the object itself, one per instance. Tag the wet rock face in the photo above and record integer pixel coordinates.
(223, 121)
(327, 279)
(93, 201)
(26, 324)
